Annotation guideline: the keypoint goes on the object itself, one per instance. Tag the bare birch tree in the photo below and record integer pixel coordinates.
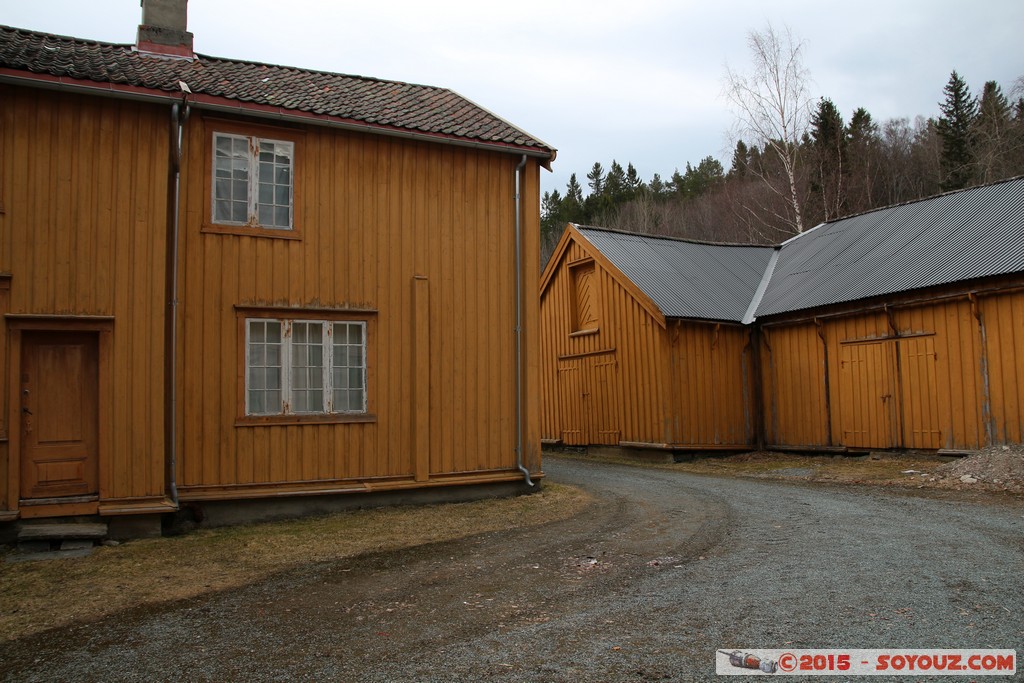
(773, 108)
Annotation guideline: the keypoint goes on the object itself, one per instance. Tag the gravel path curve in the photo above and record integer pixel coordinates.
(661, 571)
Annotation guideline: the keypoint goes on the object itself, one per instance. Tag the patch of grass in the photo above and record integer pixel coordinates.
(35, 596)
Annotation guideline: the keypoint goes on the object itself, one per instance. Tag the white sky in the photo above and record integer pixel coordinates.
(633, 80)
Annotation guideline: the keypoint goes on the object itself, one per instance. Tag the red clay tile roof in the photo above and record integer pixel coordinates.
(388, 105)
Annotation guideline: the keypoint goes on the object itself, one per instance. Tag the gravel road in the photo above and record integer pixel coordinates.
(661, 571)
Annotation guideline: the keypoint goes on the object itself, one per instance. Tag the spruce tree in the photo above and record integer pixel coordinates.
(596, 179)
(955, 127)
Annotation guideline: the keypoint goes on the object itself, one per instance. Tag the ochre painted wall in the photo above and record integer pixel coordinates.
(374, 214)
(604, 384)
(711, 382)
(633, 377)
(83, 210)
(939, 374)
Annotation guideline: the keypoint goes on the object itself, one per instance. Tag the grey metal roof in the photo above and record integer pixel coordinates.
(952, 237)
(686, 279)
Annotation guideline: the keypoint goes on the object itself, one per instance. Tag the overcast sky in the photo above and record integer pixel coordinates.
(631, 80)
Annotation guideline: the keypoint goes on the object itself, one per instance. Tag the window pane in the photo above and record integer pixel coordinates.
(274, 205)
(223, 145)
(349, 371)
(263, 374)
(266, 215)
(266, 193)
(282, 217)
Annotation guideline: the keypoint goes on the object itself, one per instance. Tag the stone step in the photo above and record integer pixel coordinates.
(60, 532)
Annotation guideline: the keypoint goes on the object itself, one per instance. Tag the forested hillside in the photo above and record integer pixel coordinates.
(783, 179)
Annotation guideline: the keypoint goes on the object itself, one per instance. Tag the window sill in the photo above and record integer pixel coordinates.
(251, 231)
(318, 419)
(584, 333)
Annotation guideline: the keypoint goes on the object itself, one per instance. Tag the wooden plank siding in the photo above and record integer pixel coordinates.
(604, 383)
(373, 216)
(947, 372)
(83, 235)
(630, 376)
(710, 376)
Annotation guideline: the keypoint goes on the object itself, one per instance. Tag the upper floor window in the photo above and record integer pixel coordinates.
(253, 181)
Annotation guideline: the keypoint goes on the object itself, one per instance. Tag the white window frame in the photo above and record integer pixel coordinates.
(253, 181)
(327, 389)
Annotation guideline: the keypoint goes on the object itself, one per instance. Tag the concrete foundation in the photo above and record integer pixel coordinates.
(196, 514)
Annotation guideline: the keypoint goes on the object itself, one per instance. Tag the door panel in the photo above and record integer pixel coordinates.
(601, 401)
(589, 400)
(59, 414)
(868, 397)
(920, 403)
(570, 391)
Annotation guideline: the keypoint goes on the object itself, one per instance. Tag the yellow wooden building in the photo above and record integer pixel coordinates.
(643, 343)
(897, 328)
(223, 280)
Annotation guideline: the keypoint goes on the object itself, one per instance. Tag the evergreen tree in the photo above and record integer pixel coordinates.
(596, 179)
(955, 127)
(633, 182)
(996, 138)
(573, 191)
(740, 160)
(677, 184)
(828, 141)
(615, 184)
(657, 187)
(551, 219)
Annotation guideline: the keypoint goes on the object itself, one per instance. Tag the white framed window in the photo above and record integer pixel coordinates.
(253, 183)
(304, 367)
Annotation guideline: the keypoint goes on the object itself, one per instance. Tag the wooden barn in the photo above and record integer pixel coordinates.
(899, 328)
(231, 281)
(643, 343)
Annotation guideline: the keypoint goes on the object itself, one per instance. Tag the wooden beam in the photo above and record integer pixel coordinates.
(421, 377)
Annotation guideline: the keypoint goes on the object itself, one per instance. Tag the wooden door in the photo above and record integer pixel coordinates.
(571, 399)
(868, 399)
(601, 401)
(59, 414)
(919, 400)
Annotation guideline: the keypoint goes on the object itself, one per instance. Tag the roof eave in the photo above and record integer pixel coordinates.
(228, 105)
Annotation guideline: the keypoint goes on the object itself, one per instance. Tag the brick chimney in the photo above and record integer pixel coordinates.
(163, 30)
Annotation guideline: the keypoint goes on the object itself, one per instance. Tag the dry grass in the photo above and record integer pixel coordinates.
(35, 596)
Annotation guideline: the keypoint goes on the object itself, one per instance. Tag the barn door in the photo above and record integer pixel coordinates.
(869, 403)
(59, 414)
(920, 403)
(600, 401)
(587, 400)
(570, 395)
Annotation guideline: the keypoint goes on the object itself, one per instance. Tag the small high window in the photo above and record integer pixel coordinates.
(253, 181)
(584, 297)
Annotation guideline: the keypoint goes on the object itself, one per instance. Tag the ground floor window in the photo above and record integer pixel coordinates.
(305, 367)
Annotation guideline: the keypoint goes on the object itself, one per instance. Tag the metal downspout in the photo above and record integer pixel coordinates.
(519, 329)
(178, 121)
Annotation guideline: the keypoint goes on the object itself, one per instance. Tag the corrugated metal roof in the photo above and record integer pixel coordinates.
(686, 279)
(952, 237)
